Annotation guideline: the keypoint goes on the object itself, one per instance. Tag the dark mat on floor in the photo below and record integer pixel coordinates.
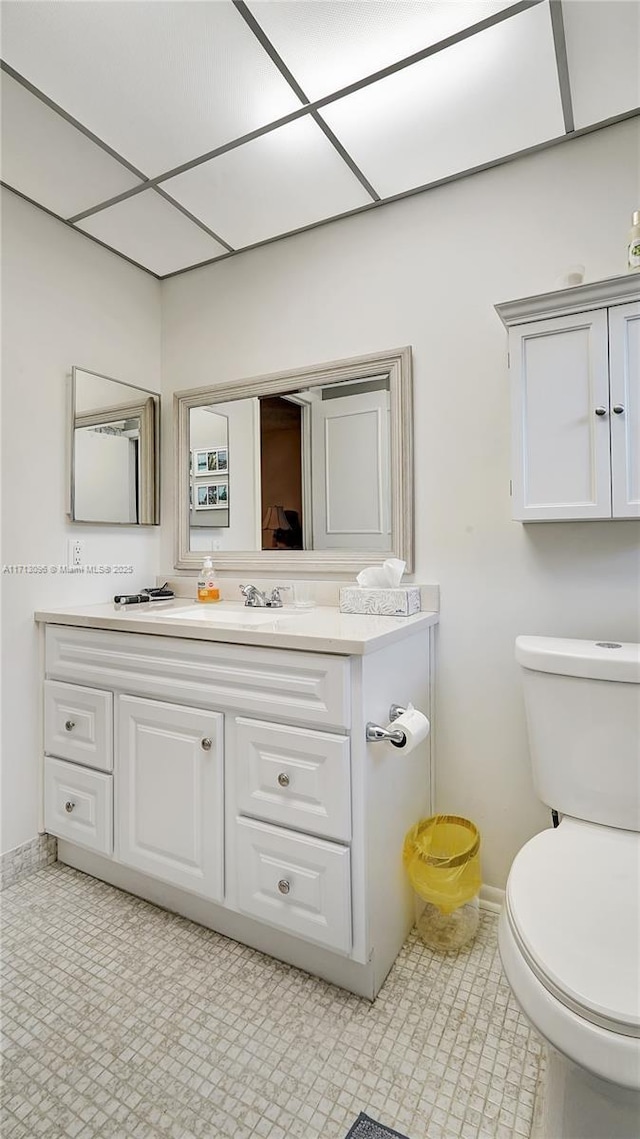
(367, 1128)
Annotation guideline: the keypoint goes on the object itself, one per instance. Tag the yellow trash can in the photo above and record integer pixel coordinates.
(442, 859)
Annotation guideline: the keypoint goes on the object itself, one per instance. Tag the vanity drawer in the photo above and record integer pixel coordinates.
(297, 883)
(78, 724)
(78, 805)
(295, 777)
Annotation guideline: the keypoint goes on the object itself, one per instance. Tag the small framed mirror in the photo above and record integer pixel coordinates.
(114, 452)
(309, 470)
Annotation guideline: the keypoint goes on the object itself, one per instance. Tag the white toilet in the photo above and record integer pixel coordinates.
(569, 931)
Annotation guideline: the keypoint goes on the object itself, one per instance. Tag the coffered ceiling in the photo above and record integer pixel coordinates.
(182, 131)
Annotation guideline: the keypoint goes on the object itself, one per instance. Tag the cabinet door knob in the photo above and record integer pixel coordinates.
(283, 779)
(206, 743)
(618, 409)
(601, 411)
(70, 725)
(69, 806)
(284, 886)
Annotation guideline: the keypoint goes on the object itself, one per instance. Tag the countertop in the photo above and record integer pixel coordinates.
(321, 629)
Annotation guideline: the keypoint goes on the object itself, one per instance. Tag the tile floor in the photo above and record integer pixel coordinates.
(123, 1020)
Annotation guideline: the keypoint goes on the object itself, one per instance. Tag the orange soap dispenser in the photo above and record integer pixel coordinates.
(208, 589)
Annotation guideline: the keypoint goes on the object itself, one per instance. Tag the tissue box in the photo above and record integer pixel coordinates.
(402, 601)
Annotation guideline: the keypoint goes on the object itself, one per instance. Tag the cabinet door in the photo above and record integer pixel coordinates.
(169, 793)
(624, 349)
(560, 408)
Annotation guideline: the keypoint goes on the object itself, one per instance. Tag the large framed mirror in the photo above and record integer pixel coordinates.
(309, 470)
(115, 433)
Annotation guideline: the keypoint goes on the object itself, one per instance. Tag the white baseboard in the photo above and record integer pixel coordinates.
(491, 898)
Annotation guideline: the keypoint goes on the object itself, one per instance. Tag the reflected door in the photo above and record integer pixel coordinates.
(350, 478)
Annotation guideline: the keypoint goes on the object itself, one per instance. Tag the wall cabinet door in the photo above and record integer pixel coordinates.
(560, 405)
(169, 778)
(624, 339)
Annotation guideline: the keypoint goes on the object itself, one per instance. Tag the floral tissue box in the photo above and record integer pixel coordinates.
(402, 601)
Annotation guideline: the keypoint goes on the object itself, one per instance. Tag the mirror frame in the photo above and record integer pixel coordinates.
(147, 410)
(396, 364)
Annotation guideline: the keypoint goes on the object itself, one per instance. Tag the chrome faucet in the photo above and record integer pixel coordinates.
(256, 599)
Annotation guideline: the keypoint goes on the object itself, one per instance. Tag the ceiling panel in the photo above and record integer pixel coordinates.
(161, 83)
(286, 179)
(603, 53)
(327, 45)
(49, 160)
(151, 231)
(486, 97)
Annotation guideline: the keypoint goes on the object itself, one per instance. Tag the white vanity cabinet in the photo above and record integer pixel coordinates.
(233, 783)
(574, 365)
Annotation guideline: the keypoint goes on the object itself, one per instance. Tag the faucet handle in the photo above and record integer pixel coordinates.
(275, 598)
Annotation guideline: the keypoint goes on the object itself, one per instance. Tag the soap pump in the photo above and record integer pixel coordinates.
(208, 589)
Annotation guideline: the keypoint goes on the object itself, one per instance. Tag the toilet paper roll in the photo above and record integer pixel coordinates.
(414, 725)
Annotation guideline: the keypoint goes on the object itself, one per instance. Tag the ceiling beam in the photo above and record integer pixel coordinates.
(562, 64)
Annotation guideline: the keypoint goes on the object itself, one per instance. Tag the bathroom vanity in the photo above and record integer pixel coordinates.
(216, 764)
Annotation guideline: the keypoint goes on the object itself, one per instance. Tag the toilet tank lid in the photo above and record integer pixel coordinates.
(593, 660)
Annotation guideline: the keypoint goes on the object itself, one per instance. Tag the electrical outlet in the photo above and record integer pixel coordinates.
(74, 552)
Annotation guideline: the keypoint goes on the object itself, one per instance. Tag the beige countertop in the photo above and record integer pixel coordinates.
(321, 629)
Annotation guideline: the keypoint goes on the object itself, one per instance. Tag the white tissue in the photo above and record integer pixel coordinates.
(386, 576)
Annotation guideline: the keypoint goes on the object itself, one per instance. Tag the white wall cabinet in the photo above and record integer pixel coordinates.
(574, 365)
(235, 785)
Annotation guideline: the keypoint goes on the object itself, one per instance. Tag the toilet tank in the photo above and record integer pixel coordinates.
(582, 701)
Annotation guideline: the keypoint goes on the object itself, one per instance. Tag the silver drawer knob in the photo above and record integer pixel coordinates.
(618, 409)
(69, 806)
(601, 411)
(283, 779)
(284, 886)
(206, 743)
(70, 725)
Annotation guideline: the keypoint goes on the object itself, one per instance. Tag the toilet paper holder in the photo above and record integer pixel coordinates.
(374, 733)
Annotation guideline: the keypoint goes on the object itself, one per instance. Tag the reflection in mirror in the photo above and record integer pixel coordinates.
(306, 464)
(113, 451)
(209, 475)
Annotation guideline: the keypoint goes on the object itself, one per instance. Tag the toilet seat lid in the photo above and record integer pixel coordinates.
(573, 901)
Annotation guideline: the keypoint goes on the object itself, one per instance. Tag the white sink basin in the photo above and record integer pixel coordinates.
(214, 614)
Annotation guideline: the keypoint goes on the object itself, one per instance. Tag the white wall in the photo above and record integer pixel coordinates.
(427, 272)
(65, 302)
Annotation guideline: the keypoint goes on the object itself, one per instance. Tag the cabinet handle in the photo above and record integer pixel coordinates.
(284, 886)
(283, 779)
(618, 409)
(601, 411)
(206, 743)
(70, 725)
(69, 806)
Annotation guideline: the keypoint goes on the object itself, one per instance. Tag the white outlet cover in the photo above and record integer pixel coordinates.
(74, 552)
